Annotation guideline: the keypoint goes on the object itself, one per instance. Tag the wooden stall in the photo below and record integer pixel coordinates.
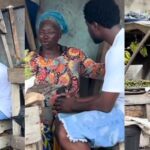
(12, 45)
(138, 104)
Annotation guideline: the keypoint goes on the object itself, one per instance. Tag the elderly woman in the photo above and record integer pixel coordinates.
(58, 66)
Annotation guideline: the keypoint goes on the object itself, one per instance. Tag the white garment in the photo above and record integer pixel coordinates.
(29, 83)
(5, 92)
(114, 77)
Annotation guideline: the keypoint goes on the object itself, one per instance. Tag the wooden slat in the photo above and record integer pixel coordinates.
(14, 32)
(32, 125)
(148, 111)
(16, 75)
(136, 111)
(15, 3)
(31, 147)
(4, 141)
(17, 142)
(137, 99)
(5, 125)
(15, 108)
(2, 24)
(5, 44)
(135, 26)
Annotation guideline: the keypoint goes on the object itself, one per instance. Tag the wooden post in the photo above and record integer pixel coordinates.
(4, 41)
(17, 142)
(33, 128)
(14, 31)
(148, 111)
(15, 3)
(15, 107)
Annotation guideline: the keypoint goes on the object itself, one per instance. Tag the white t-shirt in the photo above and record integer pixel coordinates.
(114, 65)
(5, 92)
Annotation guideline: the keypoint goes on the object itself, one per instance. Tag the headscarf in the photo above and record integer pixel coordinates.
(55, 16)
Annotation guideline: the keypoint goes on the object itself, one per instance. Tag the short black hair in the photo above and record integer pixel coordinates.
(104, 12)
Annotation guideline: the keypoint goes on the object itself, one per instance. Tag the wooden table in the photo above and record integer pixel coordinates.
(139, 100)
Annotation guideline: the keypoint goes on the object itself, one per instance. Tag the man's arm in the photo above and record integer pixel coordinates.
(102, 102)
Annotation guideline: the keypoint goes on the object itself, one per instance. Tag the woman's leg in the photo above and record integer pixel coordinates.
(64, 141)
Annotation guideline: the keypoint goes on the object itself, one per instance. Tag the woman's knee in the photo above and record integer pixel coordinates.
(60, 132)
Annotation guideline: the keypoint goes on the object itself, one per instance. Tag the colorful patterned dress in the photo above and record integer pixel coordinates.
(63, 71)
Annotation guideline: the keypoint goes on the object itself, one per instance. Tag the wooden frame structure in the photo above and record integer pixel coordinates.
(32, 139)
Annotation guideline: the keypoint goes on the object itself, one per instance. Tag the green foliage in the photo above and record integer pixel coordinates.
(137, 83)
(127, 56)
(134, 46)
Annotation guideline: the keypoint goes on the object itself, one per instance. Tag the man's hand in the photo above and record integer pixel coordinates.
(64, 104)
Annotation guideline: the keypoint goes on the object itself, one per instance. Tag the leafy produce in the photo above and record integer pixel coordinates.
(137, 83)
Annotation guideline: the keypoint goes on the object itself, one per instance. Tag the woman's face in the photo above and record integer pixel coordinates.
(49, 33)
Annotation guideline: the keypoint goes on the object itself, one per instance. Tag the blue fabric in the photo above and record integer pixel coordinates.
(3, 116)
(32, 10)
(53, 15)
(98, 128)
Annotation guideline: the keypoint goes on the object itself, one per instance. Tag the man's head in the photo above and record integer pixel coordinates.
(99, 15)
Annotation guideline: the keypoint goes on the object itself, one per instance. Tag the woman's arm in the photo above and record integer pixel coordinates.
(90, 69)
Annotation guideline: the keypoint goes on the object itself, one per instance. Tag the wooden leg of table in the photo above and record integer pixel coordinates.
(148, 111)
(15, 108)
(16, 129)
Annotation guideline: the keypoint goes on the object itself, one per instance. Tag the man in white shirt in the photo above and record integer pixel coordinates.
(5, 93)
(97, 121)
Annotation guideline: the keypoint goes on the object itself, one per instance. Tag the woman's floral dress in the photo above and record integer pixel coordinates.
(63, 71)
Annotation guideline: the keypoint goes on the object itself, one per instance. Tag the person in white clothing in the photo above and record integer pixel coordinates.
(97, 121)
(5, 93)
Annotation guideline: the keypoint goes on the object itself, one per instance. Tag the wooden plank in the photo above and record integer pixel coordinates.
(5, 125)
(16, 75)
(2, 24)
(4, 41)
(134, 72)
(15, 3)
(31, 147)
(14, 32)
(121, 146)
(137, 99)
(136, 111)
(5, 44)
(17, 142)
(33, 98)
(32, 125)
(148, 111)
(4, 141)
(136, 26)
(40, 145)
(15, 108)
